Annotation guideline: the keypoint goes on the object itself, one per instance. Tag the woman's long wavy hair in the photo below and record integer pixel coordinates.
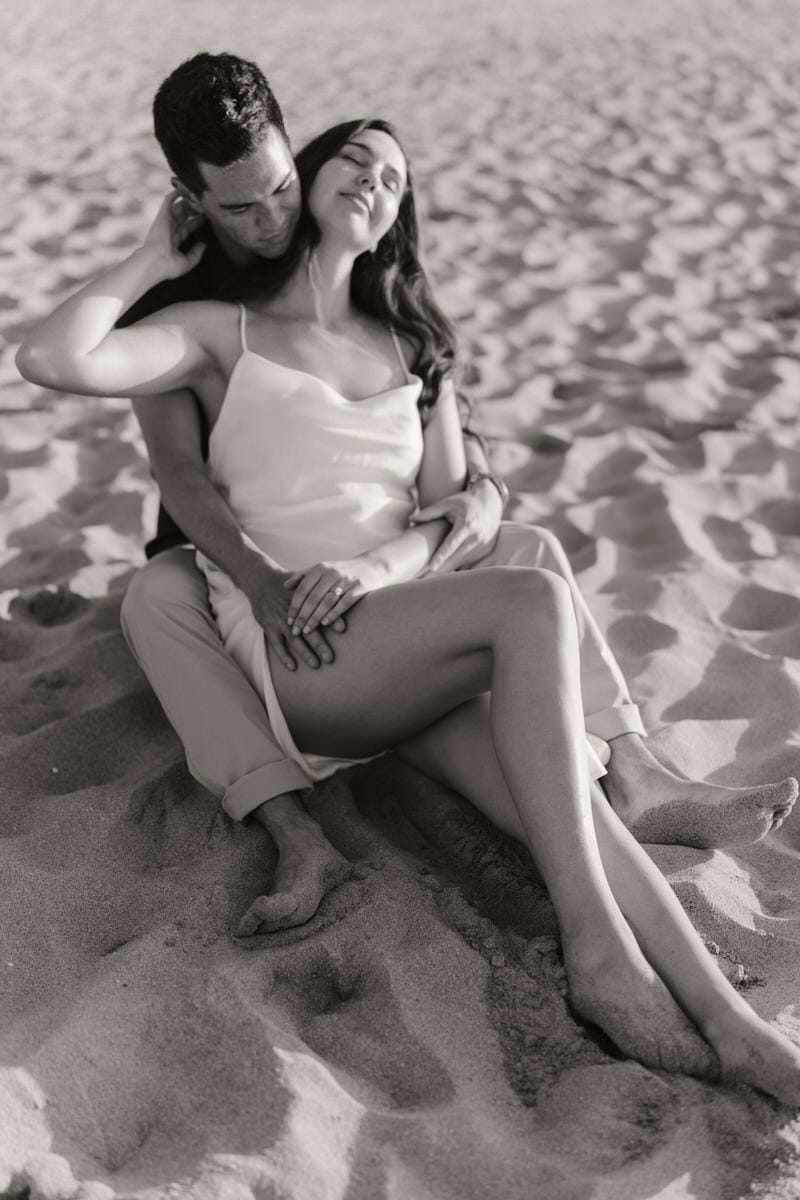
(389, 283)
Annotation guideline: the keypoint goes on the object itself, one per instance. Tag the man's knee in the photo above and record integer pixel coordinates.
(163, 589)
(529, 546)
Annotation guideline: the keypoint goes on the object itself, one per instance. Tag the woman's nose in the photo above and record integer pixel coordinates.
(367, 178)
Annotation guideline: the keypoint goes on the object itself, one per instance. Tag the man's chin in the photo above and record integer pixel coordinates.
(272, 249)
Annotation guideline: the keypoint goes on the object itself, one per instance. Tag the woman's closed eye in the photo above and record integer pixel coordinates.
(390, 181)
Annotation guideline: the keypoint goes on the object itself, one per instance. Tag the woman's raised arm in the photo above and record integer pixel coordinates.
(77, 348)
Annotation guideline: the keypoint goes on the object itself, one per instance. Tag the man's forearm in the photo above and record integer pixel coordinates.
(201, 512)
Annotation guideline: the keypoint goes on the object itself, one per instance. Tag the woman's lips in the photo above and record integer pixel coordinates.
(358, 200)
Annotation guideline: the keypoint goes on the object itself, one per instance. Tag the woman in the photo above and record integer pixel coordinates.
(338, 374)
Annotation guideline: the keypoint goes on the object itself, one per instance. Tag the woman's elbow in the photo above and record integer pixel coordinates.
(48, 367)
(35, 363)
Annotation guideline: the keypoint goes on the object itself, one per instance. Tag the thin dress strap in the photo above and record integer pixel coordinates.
(400, 354)
(242, 334)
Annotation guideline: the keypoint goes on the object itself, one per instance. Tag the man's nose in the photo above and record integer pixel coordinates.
(269, 214)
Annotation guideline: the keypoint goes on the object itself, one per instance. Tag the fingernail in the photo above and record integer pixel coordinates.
(326, 620)
(296, 630)
(306, 629)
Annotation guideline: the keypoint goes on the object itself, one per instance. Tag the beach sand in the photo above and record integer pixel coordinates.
(610, 199)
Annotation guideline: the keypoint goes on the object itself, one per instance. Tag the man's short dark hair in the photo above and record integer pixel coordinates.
(213, 108)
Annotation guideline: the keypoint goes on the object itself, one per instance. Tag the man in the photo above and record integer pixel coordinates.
(223, 135)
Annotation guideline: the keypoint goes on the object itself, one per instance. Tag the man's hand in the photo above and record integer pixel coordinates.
(475, 515)
(270, 598)
(325, 591)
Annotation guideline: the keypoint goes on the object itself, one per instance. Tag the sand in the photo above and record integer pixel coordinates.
(610, 201)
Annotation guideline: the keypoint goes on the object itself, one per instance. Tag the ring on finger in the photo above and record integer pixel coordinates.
(338, 590)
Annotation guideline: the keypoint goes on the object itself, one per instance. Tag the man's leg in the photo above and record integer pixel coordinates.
(223, 726)
(652, 800)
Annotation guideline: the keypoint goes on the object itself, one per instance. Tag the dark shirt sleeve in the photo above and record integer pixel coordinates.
(200, 283)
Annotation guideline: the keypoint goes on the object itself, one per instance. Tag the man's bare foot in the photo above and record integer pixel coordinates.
(753, 1052)
(615, 988)
(659, 806)
(308, 868)
(301, 881)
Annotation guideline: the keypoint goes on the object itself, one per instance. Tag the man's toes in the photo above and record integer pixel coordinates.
(270, 911)
(251, 919)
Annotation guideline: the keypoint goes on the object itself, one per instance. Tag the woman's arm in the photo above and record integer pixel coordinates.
(473, 508)
(444, 462)
(78, 350)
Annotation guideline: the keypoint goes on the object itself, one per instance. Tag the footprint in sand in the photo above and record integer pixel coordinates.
(779, 516)
(611, 1114)
(50, 606)
(638, 635)
(758, 608)
(170, 819)
(47, 763)
(344, 1009)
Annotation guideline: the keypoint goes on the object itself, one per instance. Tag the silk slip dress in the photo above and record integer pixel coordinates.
(310, 476)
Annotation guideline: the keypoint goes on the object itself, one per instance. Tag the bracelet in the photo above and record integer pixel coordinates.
(499, 483)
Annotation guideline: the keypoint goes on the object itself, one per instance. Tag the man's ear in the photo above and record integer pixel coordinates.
(185, 194)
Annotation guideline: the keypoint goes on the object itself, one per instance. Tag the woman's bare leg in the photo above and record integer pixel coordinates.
(459, 752)
(412, 654)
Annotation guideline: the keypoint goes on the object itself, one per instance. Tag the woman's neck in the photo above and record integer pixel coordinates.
(320, 289)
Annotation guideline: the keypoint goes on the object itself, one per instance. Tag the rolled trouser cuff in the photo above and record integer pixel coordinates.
(609, 723)
(253, 789)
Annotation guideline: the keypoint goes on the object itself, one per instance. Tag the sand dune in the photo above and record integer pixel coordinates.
(610, 199)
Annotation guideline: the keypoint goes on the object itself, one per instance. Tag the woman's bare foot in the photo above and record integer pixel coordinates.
(660, 807)
(753, 1052)
(615, 988)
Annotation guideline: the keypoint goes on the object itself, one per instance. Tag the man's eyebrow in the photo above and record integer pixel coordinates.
(242, 203)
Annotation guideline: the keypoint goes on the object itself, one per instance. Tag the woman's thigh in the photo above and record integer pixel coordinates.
(410, 654)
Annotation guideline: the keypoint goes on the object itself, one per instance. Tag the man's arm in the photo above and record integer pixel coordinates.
(172, 433)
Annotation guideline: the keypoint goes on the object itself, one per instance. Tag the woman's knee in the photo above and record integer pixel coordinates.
(539, 596)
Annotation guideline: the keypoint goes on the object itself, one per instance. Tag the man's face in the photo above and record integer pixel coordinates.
(253, 205)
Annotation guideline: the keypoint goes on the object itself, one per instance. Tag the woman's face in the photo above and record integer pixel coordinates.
(356, 194)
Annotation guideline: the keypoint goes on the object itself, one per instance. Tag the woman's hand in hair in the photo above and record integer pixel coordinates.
(325, 591)
(174, 223)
